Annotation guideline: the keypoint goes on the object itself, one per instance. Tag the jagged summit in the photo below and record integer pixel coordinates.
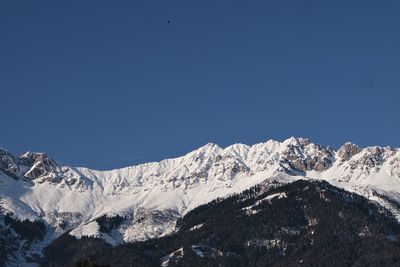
(297, 141)
(291, 155)
(207, 150)
(40, 165)
(347, 150)
(31, 165)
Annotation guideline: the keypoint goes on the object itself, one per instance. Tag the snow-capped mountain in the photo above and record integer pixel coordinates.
(302, 223)
(145, 201)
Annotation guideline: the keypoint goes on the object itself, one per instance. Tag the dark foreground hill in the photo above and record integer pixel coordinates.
(305, 223)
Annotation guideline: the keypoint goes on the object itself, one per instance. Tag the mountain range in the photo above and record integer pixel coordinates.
(43, 202)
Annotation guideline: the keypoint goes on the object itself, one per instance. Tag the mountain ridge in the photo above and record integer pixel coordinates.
(151, 197)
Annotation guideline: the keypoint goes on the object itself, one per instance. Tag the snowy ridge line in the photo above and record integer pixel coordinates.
(146, 200)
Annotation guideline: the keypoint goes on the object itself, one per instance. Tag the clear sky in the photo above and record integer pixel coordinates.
(106, 84)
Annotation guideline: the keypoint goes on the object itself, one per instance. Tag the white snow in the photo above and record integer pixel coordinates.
(196, 227)
(249, 209)
(166, 259)
(90, 229)
(176, 186)
(272, 196)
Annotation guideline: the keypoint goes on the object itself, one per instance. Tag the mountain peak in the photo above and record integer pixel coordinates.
(209, 148)
(158, 193)
(29, 155)
(40, 164)
(297, 141)
(347, 150)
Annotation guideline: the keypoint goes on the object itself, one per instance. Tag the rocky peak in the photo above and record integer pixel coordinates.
(40, 164)
(297, 141)
(302, 155)
(348, 150)
(34, 157)
(208, 150)
(374, 156)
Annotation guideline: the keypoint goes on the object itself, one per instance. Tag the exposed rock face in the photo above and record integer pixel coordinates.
(323, 164)
(9, 164)
(41, 165)
(30, 165)
(302, 155)
(347, 151)
(372, 158)
(394, 167)
(354, 163)
(38, 167)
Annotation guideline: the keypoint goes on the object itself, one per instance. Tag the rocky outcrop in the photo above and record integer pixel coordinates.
(41, 165)
(348, 150)
(30, 165)
(303, 155)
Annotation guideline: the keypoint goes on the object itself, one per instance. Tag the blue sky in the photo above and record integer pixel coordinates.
(106, 84)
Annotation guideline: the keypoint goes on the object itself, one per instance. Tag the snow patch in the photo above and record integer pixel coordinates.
(196, 227)
(166, 259)
(249, 209)
(91, 229)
